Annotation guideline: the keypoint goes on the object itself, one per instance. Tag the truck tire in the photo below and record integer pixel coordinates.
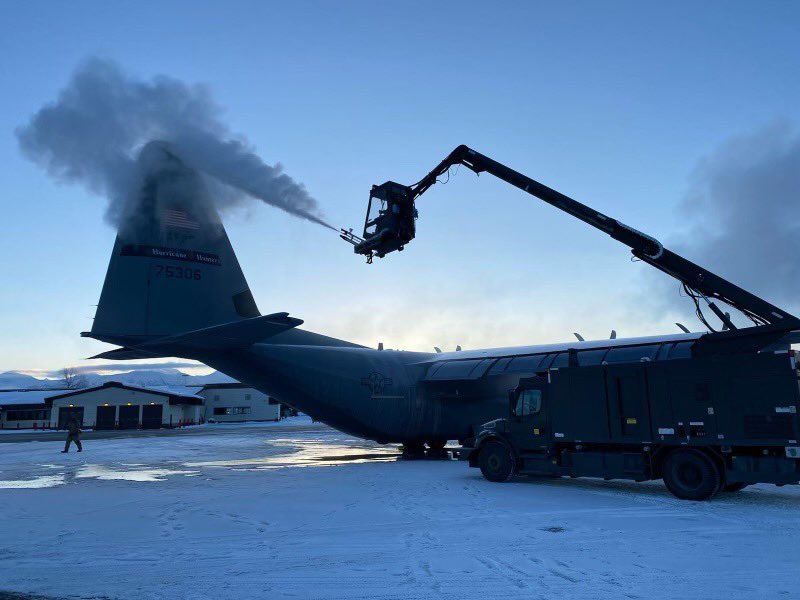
(496, 461)
(691, 475)
(734, 487)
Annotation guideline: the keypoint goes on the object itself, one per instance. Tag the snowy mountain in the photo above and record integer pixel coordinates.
(11, 380)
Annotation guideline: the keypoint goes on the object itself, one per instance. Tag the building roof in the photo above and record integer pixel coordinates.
(176, 394)
(18, 398)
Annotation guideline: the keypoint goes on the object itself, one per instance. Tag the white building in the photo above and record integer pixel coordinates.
(116, 405)
(25, 409)
(235, 402)
(109, 406)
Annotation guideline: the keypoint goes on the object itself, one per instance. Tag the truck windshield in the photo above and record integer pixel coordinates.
(529, 402)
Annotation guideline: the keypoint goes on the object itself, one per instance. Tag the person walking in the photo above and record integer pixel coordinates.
(73, 435)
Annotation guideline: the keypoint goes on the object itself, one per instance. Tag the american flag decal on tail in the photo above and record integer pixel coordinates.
(175, 217)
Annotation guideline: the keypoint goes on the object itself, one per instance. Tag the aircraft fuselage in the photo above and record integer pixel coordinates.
(398, 396)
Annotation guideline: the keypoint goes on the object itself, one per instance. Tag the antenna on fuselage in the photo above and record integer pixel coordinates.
(682, 327)
(579, 336)
(438, 350)
(613, 335)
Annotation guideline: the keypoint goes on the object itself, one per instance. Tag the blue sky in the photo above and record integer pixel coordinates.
(612, 103)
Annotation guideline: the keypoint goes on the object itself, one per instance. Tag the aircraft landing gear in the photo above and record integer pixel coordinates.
(436, 445)
(413, 450)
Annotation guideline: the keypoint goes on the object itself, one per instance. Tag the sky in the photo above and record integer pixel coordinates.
(625, 106)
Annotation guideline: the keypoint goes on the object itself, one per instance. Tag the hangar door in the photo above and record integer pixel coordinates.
(65, 413)
(129, 417)
(106, 417)
(152, 415)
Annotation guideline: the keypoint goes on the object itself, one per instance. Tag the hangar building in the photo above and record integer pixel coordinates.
(116, 405)
(25, 409)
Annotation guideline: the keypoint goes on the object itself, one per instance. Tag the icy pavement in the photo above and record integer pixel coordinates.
(275, 513)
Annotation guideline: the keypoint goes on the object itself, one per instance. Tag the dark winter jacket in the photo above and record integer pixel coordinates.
(73, 428)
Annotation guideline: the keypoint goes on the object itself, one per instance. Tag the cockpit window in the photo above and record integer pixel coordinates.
(631, 353)
(525, 364)
(499, 366)
(591, 357)
(459, 369)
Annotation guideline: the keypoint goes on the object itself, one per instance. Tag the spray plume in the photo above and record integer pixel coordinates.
(92, 133)
(743, 213)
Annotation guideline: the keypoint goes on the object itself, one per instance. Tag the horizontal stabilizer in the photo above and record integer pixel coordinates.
(230, 336)
(126, 354)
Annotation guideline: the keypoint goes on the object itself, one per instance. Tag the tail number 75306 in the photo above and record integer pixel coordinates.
(170, 272)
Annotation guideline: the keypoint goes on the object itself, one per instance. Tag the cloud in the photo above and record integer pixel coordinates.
(742, 215)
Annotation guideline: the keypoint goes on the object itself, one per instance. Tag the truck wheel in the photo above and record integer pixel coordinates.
(691, 475)
(496, 461)
(734, 487)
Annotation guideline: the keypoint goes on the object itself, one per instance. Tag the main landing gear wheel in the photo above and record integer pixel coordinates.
(496, 461)
(437, 445)
(691, 475)
(413, 449)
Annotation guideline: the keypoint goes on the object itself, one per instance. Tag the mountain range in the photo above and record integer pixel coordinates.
(13, 380)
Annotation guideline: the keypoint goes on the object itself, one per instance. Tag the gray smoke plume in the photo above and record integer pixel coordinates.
(743, 213)
(92, 134)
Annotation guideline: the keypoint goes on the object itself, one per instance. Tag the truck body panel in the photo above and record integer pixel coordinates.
(623, 421)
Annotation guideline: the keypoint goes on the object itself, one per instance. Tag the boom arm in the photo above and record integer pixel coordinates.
(698, 282)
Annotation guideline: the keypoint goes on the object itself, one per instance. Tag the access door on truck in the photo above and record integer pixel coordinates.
(628, 403)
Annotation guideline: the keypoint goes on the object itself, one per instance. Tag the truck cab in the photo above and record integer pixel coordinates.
(702, 424)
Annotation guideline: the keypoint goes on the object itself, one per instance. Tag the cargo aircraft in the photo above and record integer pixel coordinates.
(175, 288)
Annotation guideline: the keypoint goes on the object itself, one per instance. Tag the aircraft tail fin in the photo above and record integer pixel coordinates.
(172, 269)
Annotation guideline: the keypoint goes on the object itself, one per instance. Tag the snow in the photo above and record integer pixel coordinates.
(27, 396)
(306, 512)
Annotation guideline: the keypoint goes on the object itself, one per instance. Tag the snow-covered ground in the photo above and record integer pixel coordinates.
(274, 513)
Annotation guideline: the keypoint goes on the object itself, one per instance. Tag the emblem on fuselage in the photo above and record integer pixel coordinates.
(376, 382)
